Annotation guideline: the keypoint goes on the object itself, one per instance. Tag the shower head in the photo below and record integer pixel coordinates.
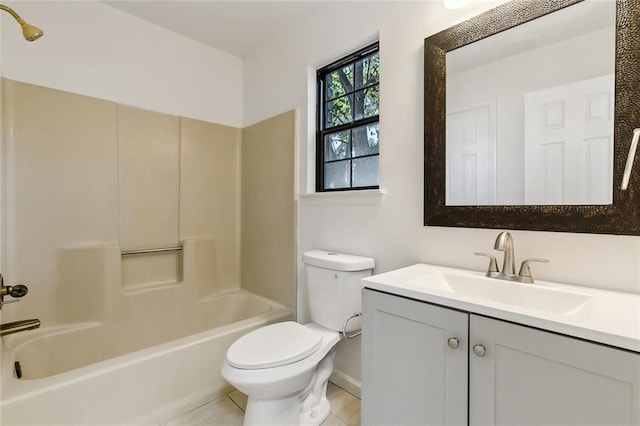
(29, 32)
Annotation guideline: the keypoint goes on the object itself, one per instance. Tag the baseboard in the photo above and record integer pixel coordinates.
(346, 382)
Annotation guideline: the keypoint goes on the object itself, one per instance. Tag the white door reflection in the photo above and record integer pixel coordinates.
(568, 137)
(471, 156)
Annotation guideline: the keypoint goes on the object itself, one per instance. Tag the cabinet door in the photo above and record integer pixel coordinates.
(411, 376)
(532, 377)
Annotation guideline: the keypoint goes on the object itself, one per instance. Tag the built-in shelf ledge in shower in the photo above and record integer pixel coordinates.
(151, 270)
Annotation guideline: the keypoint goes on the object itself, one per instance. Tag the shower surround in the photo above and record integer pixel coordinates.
(86, 180)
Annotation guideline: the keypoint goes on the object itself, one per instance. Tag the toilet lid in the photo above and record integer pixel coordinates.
(273, 346)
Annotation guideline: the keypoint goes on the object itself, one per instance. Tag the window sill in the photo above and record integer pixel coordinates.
(365, 197)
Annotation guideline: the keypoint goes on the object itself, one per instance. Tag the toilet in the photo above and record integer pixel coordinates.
(283, 368)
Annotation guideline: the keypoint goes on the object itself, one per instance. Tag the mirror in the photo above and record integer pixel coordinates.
(529, 114)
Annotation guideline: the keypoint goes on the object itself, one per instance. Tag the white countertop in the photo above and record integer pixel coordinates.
(607, 317)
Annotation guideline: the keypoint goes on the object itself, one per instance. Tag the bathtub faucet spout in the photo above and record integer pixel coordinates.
(18, 326)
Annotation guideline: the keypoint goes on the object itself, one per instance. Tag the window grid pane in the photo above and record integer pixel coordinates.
(340, 82)
(365, 171)
(365, 140)
(337, 146)
(367, 71)
(339, 111)
(338, 175)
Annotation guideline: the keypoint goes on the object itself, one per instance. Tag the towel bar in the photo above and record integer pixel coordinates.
(155, 250)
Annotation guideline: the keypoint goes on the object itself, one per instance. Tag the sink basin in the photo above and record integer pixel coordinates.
(528, 296)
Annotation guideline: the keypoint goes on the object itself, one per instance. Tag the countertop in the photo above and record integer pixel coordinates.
(607, 317)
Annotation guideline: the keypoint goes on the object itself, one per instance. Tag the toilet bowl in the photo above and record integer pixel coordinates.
(283, 368)
(276, 394)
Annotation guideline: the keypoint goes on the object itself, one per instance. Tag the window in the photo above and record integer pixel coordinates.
(348, 122)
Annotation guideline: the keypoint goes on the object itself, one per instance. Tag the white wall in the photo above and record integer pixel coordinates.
(93, 49)
(280, 76)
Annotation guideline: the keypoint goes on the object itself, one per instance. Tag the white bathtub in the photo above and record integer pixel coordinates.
(63, 386)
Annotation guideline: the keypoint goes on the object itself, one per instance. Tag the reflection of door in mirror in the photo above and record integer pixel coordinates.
(569, 143)
(471, 156)
(566, 51)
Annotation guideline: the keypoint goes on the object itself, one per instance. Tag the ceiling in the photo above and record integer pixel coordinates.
(235, 26)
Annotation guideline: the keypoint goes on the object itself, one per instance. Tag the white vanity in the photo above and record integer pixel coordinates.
(447, 346)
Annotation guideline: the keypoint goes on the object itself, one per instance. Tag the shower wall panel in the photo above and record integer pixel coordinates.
(60, 175)
(268, 208)
(149, 170)
(209, 200)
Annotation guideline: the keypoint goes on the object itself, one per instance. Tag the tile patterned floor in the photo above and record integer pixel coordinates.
(229, 410)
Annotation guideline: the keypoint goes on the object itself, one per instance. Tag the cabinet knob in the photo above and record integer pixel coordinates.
(479, 350)
(453, 342)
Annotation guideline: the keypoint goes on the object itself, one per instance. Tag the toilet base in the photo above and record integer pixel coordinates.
(315, 408)
(285, 411)
(317, 415)
(308, 407)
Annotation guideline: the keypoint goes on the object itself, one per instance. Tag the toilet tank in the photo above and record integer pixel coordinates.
(334, 290)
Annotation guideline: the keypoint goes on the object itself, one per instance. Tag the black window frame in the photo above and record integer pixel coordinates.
(322, 130)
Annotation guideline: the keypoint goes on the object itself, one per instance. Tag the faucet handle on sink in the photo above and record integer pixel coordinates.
(493, 263)
(525, 270)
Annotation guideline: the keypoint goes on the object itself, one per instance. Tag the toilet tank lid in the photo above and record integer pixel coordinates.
(337, 261)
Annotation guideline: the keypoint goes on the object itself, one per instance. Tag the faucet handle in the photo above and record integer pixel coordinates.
(493, 263)
(15, 291)
(525, 269)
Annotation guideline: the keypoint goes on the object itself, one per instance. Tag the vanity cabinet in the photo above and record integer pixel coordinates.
(427, 364)
(410, 374)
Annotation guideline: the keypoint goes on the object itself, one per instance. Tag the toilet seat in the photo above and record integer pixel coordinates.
(274, 346)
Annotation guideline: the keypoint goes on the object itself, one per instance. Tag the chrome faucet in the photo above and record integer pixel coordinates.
(504, 242)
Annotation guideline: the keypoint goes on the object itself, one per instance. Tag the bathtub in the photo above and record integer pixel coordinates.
(147, 381)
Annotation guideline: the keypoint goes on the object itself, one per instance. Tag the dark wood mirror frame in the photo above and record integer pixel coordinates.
(622, 217)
